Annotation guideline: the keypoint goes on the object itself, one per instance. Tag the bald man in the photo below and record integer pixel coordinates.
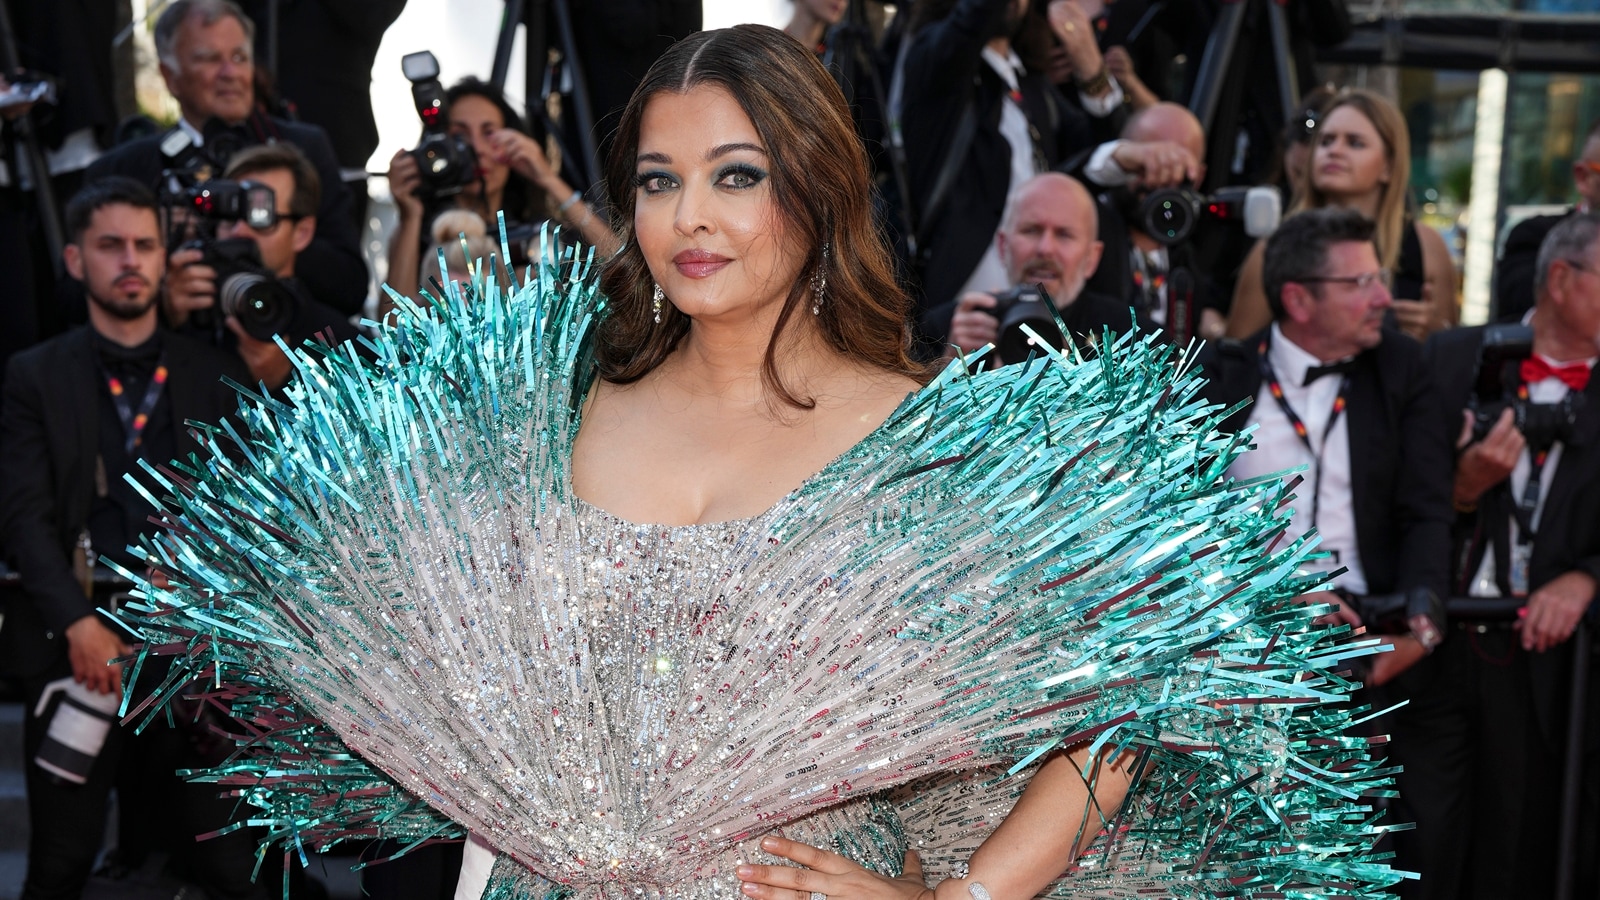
(1047, 236)
(1161, 145)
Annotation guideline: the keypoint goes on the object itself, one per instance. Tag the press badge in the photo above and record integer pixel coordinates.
(1521, 555)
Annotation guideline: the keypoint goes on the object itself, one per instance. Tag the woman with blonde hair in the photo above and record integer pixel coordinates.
(1361, 159)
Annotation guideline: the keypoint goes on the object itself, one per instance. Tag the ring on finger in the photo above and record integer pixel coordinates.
(818, 895)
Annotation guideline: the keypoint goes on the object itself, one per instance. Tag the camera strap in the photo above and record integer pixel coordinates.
(1275, 388)
(1526, 507)
(134, 421)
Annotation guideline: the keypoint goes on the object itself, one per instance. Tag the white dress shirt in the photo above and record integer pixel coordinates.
(1278, 449)
(1486, 582)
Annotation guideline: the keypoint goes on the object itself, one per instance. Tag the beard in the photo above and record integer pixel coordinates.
(122, 306)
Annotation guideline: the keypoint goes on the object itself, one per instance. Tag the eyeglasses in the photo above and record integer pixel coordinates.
(1363, 281)
(1577, 265)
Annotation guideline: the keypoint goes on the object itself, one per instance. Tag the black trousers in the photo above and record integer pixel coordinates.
(158, 811)
(1482, 776)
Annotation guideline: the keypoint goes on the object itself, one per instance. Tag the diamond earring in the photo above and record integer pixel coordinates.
(819, 282)
(655, 304)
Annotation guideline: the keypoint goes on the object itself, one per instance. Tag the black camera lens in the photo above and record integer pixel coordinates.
(263, 306)
(1170, 219)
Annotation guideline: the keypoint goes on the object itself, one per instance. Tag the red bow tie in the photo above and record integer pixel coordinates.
(1574, 375)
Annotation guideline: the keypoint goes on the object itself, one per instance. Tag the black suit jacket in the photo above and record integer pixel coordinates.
(1400, 461)
(1513, 277)
(332, 265)
(49, 438)
(944, 67)
(1569, 525)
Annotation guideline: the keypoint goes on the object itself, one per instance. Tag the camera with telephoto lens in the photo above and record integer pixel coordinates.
(445, 161)
(1170, 215)
(246, 289)
(1496, 383)
(1030, 305)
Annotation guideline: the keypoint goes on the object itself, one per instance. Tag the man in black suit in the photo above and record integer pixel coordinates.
(207, 61)
(1352, 402)
(81, 410)
(1514, 276)
(1480, 737)
(1047, 237)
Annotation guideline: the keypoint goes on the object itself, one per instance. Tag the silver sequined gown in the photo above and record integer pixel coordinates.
(421, 630)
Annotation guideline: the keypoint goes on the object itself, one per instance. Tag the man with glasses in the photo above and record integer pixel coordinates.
(208, 62)
(1350, 404)
(1482, 733)
(1514, 276)
(192, 285)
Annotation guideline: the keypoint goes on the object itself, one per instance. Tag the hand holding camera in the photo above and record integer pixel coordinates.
(405, 181)
(191, 284)
(974, 326)
(1486, 463)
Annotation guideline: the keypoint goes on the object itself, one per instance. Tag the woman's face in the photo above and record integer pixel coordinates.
(476, 118)
(1350, 158)
(704, 214)
(830, 11)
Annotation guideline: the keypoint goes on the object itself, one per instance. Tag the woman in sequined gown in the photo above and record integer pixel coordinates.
(757, 335)
(623, 580)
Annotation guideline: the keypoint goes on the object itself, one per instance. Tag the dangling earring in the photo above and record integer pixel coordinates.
(819, 282)
(655, 304)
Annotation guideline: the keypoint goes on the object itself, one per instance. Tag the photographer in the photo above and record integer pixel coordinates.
(1514, 276)
(508, 171)
(207, 60)
(81, 411)
(1480, 737)
(1158, 144)
(192, 283)
(1332, 391)
(1047, 237)
(980, 117)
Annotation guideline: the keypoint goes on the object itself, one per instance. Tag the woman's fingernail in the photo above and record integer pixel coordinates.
(744, 871)
(748, 889)
(769, 843)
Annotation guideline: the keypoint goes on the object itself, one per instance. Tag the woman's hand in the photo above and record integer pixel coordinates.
(404, 180)
(525, 157)
(829, 874)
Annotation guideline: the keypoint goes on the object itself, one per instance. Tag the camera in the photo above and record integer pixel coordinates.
(1169, 215)
(1030, 305)
(444, 160)
(1496, 389)
(246, 289)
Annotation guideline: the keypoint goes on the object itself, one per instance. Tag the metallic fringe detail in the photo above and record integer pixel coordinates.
(1016, 562)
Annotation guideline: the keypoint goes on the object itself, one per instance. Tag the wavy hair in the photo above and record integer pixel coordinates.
(1391, 127)
(820, 188)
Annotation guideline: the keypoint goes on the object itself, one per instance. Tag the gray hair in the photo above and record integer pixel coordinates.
(1570, 241)
(209, 11)
(1299, 248)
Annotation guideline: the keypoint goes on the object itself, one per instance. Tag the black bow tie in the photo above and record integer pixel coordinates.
(1341, 367)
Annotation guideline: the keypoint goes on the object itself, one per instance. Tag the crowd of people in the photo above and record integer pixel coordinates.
(1034, 167)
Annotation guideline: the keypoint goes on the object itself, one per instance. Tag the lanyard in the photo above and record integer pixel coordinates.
(133, 422)
(1528, 505)
(1276, 390)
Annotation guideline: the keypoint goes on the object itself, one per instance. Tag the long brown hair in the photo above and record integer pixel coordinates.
(1391, 128)
(819, 186)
